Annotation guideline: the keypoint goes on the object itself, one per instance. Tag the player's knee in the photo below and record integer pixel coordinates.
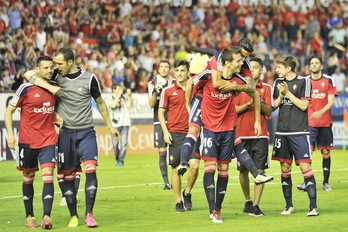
(325, 153)
(47, 178)
(90, 169)
(223, 173)
(28, 177)
(209, 167)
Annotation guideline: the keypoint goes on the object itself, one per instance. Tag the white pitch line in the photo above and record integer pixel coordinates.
(155, 184)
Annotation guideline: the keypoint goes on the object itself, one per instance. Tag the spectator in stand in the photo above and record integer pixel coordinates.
(15, 16)
(297, 47)
(339, 35)
(142, 81)
(312, 26)
(340, 80)
(316, 46)
(291, 31)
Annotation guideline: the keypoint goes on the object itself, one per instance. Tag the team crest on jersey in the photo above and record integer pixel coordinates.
(323, 84)
(294, 87)
(14, 100)
(205, 151)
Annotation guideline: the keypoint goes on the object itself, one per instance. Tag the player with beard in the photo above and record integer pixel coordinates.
(77, 138)
(319, 116)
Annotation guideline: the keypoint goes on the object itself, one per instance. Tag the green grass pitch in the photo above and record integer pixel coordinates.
(131, 198)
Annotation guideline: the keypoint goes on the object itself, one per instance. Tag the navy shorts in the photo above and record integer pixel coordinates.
(27, 159)
(175, 148)
(195, 112)
(321, 137)
(75, 146)
(216, 146)
(158, 139)
(288, 147)
(258, 150)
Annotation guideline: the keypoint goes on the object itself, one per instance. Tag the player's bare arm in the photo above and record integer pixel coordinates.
(11, 140)
(105, 114)
(167, 136)
(318, 114)
(188, 93)
(33, 77)
(256, 99)
(226, 86)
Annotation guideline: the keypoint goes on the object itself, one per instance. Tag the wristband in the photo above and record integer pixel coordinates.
(32, 78)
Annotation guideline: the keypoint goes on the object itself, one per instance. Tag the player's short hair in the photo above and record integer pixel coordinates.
(287, 61)
(67, 53)
(245, 44)
(258, 60)
(166, 62)
(182, 63)
(227, 54)
(43, 58)
(315, 56)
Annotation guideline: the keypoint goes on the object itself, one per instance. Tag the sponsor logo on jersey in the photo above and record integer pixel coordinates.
(317, 95)
(45, 109)
(221, 96)
(37, 95)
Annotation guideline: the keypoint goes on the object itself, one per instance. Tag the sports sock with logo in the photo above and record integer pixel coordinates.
(287, 187)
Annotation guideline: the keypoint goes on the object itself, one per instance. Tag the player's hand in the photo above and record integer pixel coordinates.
(317, 115)
(283, 88)
(257, 128)
(158, 88)
(58, 123)
(55, 90)
(11, 142)
(168, 138)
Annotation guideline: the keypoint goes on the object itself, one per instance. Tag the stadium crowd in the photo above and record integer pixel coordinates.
(123, 40)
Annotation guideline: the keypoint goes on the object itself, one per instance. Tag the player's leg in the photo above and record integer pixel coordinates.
(302, 152)
(27, 163)
(89, 155)
(210, 164)
(245, 183)
(281, 153)
(244, 158)
(259, 153)
(325, 144)
(326, 168)
(28, 197)
(47, 161)
(174, 151)
(190, 141)
(162, 152)
(68, 161)
(191, 180)
(187, 148)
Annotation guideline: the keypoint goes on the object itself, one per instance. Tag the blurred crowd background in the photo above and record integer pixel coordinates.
(124, 40)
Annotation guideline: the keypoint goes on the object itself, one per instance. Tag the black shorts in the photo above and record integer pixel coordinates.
(158, 137)
(258, 150)
(74, 147)
(288, 147)
(27, 158)
(321, 137)
(175, 148)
